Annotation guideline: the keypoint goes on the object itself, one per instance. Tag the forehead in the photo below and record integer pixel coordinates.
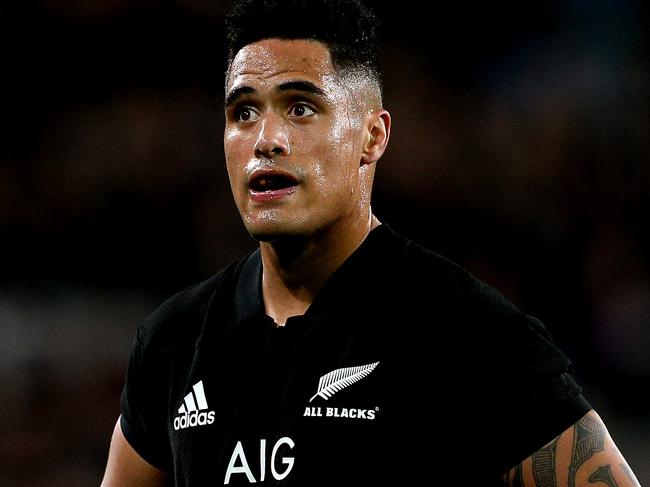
(271, 60)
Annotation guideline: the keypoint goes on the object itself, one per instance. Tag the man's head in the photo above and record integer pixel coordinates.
(304, 121)
(346, 27)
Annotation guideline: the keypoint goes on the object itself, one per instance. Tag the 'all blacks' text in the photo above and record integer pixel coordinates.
(351, 413)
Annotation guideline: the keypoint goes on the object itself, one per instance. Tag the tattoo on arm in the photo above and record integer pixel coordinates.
(517, 477)
(604, 475)
(583, 448)
(544, 465)
(588, 438)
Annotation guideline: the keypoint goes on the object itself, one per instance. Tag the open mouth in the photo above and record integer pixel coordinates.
(267, 182)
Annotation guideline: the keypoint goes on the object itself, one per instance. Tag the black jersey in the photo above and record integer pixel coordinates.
(404, 369)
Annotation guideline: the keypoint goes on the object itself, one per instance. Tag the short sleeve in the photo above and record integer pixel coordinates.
(542, 399)
(143, 406)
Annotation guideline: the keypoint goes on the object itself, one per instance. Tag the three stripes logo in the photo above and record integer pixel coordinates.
(194, 410)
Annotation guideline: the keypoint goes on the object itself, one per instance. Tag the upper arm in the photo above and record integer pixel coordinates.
(582, 455)
(125, 468)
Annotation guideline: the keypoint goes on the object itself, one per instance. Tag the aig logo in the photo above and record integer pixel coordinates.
(239, 464)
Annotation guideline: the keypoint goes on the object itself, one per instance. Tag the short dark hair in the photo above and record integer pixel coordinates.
(347, 27)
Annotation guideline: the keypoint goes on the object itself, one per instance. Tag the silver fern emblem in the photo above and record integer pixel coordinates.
(338, 379)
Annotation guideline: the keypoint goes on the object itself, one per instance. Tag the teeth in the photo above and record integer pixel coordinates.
(266, 183)
(263, 184)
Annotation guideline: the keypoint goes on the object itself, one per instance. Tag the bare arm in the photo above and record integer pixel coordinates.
(126, 468)
(581, 456)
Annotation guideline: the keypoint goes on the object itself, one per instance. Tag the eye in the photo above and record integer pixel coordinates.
(301, 110)
(246, 114)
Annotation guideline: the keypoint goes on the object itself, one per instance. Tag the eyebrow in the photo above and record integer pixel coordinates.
(237, 93)
(303, 86)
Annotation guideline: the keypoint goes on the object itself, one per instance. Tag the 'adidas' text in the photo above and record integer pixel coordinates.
(194, 412)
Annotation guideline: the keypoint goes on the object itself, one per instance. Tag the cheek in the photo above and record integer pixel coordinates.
(344, 153)
(230, 143)
(334, 171)
(344, 131)
(233, 146)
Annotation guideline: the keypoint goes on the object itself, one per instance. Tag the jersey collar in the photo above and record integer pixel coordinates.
(357, 273)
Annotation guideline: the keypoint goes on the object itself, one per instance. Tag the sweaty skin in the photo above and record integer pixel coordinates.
(291, 115)
(292, 118)
(582, 455)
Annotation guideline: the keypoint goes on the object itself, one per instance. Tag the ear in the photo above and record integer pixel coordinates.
(377, 135)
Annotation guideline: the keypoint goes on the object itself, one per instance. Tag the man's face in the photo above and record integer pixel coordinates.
(293, 140)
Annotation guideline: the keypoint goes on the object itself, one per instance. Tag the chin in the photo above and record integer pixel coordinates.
(271, 230)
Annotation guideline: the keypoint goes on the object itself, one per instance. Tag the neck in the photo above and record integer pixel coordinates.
(294, 271)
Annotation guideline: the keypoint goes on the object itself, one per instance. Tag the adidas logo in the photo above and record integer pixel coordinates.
(194, 410)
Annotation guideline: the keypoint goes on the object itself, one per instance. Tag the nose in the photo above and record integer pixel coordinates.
(272, 139)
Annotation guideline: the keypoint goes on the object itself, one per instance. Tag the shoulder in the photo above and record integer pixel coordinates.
(182, 316)
(442, 276)
(445, 291)
(509, 342)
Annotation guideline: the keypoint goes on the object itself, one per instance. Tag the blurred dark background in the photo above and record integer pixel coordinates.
(519, 149)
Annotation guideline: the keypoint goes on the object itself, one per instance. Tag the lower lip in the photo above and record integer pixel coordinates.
(277, 194)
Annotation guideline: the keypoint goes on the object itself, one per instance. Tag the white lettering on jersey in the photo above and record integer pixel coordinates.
(238, 453)
(239, 464)
(194, 410)
(286, 460)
